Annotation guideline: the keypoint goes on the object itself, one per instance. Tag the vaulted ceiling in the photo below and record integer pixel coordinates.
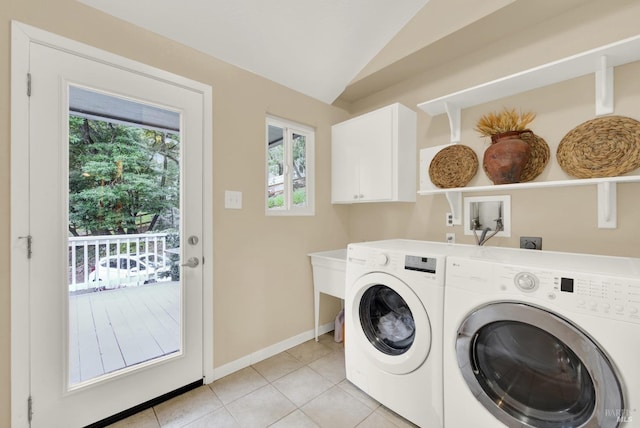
(314, 47)
(333, 49)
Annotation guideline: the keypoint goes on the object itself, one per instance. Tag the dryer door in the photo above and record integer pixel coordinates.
(390, 322)
(532, 368)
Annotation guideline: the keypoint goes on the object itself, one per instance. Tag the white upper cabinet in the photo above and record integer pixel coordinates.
(373, 157)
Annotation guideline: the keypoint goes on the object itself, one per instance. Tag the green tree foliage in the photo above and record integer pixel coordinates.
(122, 179)
(299, 157)
(296, 158)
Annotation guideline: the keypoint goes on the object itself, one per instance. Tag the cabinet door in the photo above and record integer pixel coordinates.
(344, 163)
(376, 161)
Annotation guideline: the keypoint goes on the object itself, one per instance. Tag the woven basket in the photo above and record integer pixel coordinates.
(602, 147)
(453, 166)
(538, 158)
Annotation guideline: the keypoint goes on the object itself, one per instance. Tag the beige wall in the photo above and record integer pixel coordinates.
(262, 276)
(432, 23)
(261, 271)
(564, 217)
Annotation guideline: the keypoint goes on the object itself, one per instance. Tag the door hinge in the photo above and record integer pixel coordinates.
(30, 408)
(28, 84)
(29, 241)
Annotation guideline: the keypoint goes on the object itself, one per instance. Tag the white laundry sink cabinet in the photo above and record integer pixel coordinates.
(328, 277)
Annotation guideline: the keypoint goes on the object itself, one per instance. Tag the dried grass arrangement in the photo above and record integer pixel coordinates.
(503, 121)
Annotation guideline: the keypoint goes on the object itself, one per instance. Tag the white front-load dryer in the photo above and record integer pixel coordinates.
(541, 339)
(393, 325)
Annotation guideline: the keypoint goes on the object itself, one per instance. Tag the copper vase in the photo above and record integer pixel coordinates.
(506, 158)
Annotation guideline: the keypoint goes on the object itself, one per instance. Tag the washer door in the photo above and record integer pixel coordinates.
(390, 322)
(532, 368)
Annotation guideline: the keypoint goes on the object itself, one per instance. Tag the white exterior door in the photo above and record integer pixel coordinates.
(133, 341)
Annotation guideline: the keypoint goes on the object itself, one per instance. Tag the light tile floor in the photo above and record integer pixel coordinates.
(302, 387)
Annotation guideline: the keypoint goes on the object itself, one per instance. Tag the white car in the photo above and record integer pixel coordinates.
(161, 265)
(128, 270)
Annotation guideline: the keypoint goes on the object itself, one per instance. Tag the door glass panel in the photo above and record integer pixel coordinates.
(533, 375)
(123, 234)
(387, 320)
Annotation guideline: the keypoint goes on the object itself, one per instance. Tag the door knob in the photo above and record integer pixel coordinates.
(191, 262)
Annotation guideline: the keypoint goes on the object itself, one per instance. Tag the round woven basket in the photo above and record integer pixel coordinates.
(453, 166)
(538, 158)
(602, 147)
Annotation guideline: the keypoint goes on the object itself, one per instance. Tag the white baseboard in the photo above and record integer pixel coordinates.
(270, 351)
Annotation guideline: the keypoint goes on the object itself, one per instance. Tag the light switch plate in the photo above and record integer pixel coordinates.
(232, 199)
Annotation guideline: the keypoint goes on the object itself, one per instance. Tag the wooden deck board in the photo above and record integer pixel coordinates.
(74, 353)
(88, 348)
(110, 351)
(164, 328)
(114, 329)
(136, 341)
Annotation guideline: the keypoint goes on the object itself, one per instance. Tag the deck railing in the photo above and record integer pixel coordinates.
(85, 253)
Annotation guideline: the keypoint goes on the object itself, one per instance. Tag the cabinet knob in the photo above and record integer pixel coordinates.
(361, 196)
(355, 196)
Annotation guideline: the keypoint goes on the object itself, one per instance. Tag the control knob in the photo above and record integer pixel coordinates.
(526, 281)
(381, 259)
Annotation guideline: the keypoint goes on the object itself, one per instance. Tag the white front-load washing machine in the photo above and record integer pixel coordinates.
(541, 339)
(393, 325)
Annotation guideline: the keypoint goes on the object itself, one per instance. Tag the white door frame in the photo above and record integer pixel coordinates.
(22, 36)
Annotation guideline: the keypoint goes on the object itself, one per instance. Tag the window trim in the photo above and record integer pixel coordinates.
(289, 128)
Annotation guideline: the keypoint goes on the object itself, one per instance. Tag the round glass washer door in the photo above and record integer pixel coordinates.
(532, 368)
(390, 322)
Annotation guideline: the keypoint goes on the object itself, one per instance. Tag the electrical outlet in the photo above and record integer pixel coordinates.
(451, 238)
(531, 242)
(449, 219)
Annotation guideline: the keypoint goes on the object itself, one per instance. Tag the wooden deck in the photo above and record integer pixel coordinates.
(114, 329)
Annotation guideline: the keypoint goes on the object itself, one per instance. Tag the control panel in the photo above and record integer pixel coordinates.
(612, 297)
(398, 262)
(420, 264)
(380, 260)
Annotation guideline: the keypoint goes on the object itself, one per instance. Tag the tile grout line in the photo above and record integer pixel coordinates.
(296, 358)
